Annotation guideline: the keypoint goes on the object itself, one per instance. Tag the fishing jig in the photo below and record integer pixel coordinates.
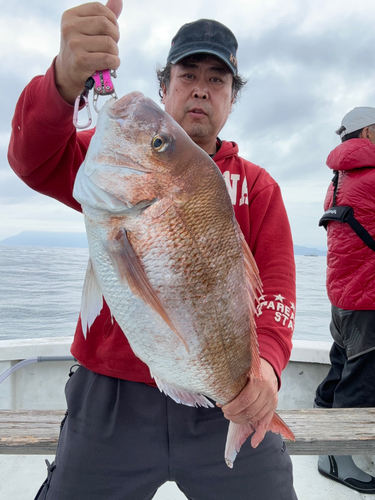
(101, 82)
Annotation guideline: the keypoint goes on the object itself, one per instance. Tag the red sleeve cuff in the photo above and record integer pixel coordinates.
(273, 351)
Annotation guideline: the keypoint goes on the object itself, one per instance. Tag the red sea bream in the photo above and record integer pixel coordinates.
(167, 254)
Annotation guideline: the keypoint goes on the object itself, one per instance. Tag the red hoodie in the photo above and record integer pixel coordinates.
(350, 262)
(46, 151)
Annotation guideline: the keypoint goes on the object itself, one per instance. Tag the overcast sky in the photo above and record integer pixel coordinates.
(308, 63)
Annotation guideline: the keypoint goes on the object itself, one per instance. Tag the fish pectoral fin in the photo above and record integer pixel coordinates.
(161, 206)
(182, 395)
(130, 269)
(92, 299)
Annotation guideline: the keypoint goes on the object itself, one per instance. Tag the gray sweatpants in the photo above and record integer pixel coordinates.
(122, 440)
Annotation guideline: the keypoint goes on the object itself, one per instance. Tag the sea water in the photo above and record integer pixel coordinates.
(40, 293)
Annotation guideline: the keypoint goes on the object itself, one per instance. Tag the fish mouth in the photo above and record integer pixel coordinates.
(117, 109)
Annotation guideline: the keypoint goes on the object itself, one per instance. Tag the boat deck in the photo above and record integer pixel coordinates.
(22, 475)
(40, 386)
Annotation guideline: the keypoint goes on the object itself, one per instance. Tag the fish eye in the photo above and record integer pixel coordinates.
(160, 143)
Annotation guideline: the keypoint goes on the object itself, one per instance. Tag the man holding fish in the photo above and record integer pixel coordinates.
(122, 437)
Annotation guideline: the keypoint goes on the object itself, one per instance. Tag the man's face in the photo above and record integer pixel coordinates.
(199, 98)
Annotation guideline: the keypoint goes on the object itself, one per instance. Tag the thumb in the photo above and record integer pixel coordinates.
(115, 6)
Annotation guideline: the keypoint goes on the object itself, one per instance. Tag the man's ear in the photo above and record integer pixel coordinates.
(364, 133)
(164, 92)
(234, 95)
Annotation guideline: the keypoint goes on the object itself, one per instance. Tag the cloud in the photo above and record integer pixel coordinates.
(12, 189)
(34, 44)
(308, 63)
(39, 213)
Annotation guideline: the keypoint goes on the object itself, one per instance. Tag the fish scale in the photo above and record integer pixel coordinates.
(182, 290)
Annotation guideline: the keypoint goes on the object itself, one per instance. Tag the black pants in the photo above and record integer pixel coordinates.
(122, 440)
(350, 383)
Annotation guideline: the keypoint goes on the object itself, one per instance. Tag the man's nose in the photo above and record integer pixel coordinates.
(200, 93)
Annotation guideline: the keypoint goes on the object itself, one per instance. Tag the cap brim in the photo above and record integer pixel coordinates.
(178, 58)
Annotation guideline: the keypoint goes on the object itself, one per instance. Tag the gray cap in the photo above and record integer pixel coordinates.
(205, 36)
(356, 119)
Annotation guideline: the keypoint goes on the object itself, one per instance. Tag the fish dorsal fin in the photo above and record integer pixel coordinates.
(254, 287)
(92, 299)
(255, 358)
(182, 395)
(254, 284)
(130, 269)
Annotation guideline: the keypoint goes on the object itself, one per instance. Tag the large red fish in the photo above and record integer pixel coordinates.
(167, 254)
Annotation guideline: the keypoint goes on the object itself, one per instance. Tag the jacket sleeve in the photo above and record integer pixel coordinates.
(45, 150)
(272, 247)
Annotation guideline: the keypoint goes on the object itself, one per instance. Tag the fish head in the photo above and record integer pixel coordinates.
(138, 154)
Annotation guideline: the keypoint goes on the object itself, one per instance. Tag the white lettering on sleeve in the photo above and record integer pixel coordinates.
(282, 313)
(280, 307)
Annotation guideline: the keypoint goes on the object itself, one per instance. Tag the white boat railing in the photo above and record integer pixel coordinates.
(40, 386)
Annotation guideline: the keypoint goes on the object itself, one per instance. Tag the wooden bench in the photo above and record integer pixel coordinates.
(349, 431)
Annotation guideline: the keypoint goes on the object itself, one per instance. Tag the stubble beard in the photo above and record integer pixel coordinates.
(197, 131)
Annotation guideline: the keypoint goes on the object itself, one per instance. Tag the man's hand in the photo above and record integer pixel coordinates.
(89, 37)
(256, 403)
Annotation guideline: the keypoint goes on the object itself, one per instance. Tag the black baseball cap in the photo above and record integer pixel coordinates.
(205, 36)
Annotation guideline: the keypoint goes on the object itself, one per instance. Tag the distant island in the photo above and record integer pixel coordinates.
(310, 252)
(79, 240)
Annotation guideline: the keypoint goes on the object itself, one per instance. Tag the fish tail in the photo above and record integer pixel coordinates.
(237, 435)
(278, 425)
